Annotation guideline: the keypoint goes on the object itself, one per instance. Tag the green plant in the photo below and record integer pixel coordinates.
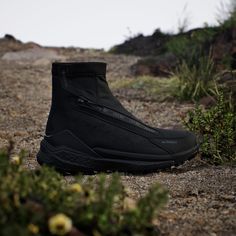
(42, 202)
(189, 47)
(180, 45)
(158, 89)
(217, 129)
(226, 16)
(197, 80)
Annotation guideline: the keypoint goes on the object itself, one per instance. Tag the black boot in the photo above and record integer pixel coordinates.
(89, 130)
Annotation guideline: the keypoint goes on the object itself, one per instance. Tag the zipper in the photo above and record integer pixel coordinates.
(109, 113)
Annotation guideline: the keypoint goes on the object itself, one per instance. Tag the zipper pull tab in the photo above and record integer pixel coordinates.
(85, 101)
(81, 100)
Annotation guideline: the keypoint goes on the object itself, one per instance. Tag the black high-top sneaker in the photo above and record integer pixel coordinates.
(89, 130)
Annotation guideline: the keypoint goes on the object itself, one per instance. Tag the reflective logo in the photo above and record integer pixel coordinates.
(169, 141)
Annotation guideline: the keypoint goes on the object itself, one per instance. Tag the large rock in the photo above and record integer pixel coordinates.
(155, 66)
(141, 45)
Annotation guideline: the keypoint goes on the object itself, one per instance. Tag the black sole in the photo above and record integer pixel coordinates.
(69, 161)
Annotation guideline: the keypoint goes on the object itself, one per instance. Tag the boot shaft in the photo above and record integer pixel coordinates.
(69, 82)
(78, 79)
(73, 81)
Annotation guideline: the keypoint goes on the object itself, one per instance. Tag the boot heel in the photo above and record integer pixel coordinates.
(68, 159)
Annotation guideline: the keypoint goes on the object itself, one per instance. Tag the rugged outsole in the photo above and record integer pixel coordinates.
(69, 161)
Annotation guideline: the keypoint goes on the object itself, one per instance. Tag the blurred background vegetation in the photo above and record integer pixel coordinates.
(200, 65)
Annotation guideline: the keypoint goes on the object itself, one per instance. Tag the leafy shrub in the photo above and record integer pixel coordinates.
(197, 80)
(41, 202)
(191, 46)
(217, 127)
(180, 45)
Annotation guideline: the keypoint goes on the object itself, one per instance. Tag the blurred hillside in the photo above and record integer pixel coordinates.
(162, 52)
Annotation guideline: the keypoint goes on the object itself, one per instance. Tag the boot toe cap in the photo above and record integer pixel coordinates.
(177, 141)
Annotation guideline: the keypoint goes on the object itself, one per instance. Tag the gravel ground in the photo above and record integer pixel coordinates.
(202, 197)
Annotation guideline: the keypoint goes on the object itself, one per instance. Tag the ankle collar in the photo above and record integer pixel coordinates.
(73, 69)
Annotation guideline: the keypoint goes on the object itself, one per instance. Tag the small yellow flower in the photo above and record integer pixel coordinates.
(76, 188)
(89, 196)
(15, 160)
(34, 229)
(129, 203)
(60, 224)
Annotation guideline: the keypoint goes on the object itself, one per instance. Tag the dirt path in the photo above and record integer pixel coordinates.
(202, 197)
